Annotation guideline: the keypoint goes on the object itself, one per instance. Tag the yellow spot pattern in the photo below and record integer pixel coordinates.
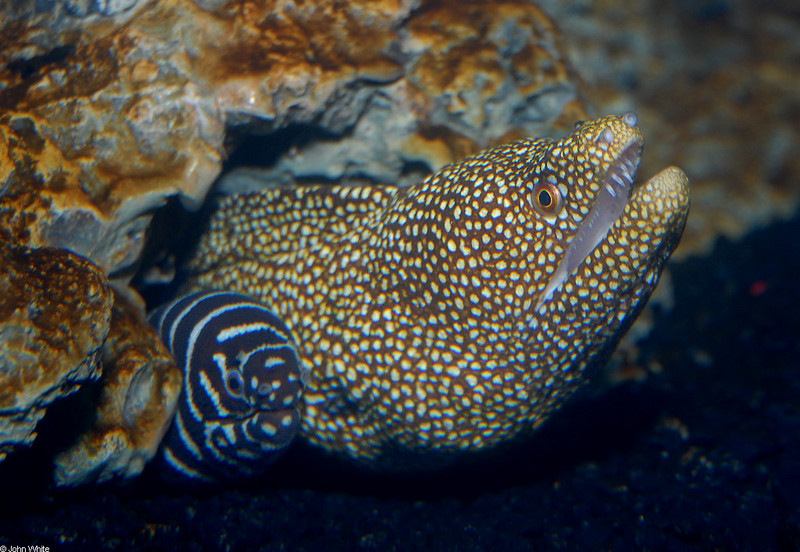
(414, 308)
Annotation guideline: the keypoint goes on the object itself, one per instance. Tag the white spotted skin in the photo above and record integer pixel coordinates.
(415, 309)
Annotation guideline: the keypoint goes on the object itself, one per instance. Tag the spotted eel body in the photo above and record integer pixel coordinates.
(238, 408)
(457, 313)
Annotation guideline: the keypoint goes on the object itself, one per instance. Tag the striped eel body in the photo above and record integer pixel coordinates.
(457, 313)
(238, 407)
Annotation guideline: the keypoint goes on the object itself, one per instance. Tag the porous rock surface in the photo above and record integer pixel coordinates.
(101, 122)
(54, 316)
(139, 391)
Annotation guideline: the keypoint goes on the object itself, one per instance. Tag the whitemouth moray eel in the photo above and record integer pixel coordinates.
(457, 313)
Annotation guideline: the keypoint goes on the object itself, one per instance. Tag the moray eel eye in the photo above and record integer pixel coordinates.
(234, 384)
(547, 199)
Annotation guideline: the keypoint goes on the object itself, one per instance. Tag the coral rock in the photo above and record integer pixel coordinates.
(140, 388)
(54, 315)
(102, 121)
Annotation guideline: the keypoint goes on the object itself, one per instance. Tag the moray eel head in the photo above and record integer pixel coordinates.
(602, 156)
(545, 226)
(536, 256)
(580, 189)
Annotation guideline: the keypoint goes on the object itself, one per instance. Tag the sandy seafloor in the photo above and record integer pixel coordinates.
(702, 454)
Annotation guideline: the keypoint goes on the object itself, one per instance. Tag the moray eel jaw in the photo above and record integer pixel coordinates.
(611, 201)
(627, 228)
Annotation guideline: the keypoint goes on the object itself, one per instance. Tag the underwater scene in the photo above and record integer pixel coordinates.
(419, 275)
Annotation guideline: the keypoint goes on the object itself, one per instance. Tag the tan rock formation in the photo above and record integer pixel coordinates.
(140, 388)
(54, 316)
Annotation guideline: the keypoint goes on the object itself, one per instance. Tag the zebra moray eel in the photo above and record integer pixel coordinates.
(238, 408)
(461, 312)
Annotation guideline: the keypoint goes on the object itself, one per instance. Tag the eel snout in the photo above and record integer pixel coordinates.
(610, 203)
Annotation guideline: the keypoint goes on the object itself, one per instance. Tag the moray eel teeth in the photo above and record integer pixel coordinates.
(611, 201)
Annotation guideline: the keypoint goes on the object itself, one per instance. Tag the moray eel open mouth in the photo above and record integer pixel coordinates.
(612, 198)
